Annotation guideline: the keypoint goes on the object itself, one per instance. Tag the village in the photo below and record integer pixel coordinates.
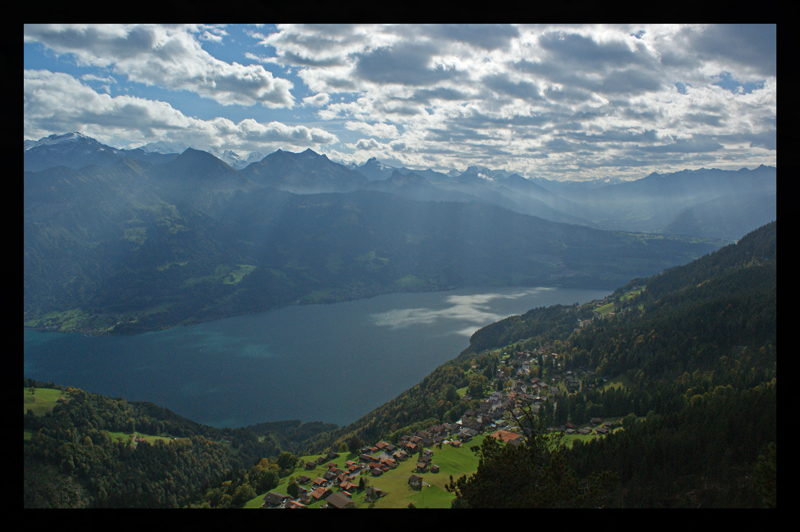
(515, 389)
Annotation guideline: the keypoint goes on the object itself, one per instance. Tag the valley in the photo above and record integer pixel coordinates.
(125, 246)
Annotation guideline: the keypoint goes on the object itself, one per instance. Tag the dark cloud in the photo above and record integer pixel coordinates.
(479, 120)
(426, 96)
(573, 48)
(704, 118)
(631, 81)
(486, 36)
(98, 41)
(293, 59)
(696, 144)
(750, 45)
(458, 134)
(503, 84)
(406, 64)
(618, 136)
(766, 139)
(632, 114)
(567, 94)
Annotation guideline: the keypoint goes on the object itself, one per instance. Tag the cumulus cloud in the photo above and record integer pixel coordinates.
(378, 130)
(58, 102)
(168, 57)
(318, 100)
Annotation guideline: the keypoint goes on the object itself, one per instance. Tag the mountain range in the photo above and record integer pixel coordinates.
(710, 203)
(131, 240)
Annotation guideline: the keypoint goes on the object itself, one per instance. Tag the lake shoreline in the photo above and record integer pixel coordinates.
(292, 362)
(93, 331)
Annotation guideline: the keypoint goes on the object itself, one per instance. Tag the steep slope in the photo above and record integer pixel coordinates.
(727, 218)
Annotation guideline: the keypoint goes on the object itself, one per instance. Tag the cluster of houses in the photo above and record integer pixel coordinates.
(374, 461)
(490, 416)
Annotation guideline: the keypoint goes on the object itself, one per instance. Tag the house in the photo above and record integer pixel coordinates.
(376, 472)
(320, 493)
(348, 486)
(415, 481)
(596, 420)
(339, 500)
(422, 466)
(303, 479)
(434, 468)
(311, 465)
(273, 499)
(506, 436)
(294, 505)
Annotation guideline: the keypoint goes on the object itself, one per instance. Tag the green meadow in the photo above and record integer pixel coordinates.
(41, 401)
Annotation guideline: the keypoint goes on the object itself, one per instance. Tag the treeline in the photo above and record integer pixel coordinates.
(547, 323)
(710, 454)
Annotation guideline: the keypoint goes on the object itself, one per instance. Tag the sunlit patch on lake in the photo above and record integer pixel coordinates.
(474, 308)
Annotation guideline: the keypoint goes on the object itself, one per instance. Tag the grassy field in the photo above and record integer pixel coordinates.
(42, 401)
(605, 309)
(620, 381)
(125, 436)
(455, 461)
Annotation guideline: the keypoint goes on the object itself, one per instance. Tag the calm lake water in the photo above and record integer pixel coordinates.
(331, 363)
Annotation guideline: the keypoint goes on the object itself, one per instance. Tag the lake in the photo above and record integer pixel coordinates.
(331, 363)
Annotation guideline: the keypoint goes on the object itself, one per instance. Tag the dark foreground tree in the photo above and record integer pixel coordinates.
(531, 475)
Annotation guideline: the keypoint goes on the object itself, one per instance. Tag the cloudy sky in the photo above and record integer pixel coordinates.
(561, 102)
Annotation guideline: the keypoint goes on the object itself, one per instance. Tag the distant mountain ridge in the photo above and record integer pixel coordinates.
(135, 246)
(656, 203)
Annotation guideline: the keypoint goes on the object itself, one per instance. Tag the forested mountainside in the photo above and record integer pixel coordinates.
(683, 363)
(687, 357)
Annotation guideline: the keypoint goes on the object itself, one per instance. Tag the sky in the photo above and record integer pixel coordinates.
(560, 102)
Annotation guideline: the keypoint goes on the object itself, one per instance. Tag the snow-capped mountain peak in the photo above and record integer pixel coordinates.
(54, 139)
